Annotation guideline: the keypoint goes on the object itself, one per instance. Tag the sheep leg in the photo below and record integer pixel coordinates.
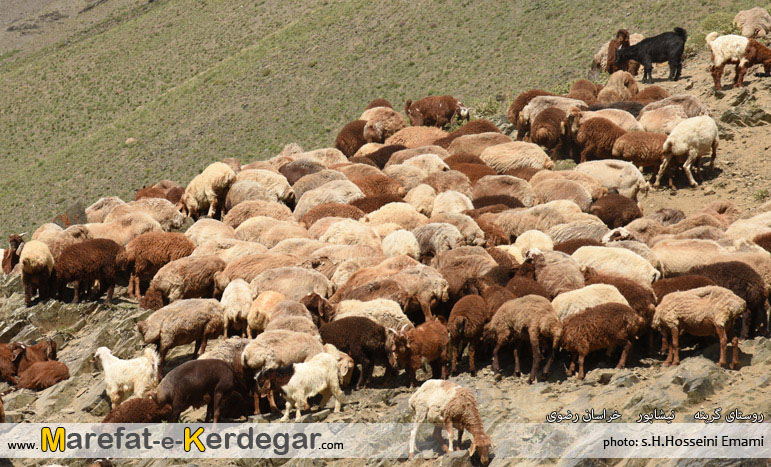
(585, 152)
(366, 372)
(197, 347)
(581, 373)
(662, 168)
(624, 354)
(547, 365)
(517, 370)
(210, 408)
(27, 290)
(110, 291)
(440, 441)
(426, 309)
(714, 157)
(740, 72)
(572, 366)
(420, 414)
(745, 334)
(676, 347)
(735, 352)
(693, 154)
(75, 299)
(536, 360)
(225, 325)
(287, 410)
(496, 365)
(472, 350)
(459, 443)
(720, 330)
(717, 74)
(455, 351)
(334, 388)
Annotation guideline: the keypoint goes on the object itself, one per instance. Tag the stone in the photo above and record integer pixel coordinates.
(458, 458)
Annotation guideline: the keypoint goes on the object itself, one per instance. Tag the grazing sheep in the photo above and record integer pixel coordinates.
(261, 311)
(539, 104)
(546, 127)
(570, 246)
(615, 210)
(451, 202)
(351, 137)
(247, 190)
(466, 322)
(632, 107)
(190, 383)
(471, 128)
(562, 189)
(384, 312)
(529, 318)
(37, 265)
(256, 208)
(299, 168)
(621, 176)
(138, 410)
(704, 311)
(122, 231)
(497, 185)
(556, 272)
(416, 136)
(236, 301)
(435, 238)
(471, 232)
(755, 22)
(405, 154)
(427, 343)
(295, 283)
(603, 326)
(446, 404)
(421, 198)
(516, 155)
(161, 210)
(693, 106)
(400, 213)
(331, 210)
(336, 191)
(274, 182)
(644, 149)
(145, 255)
(651, 94)
(663, 119)
(188, 277)
(269, 231)
(205, 230)
(138, 375)
(401, 242)
(315, 180)
(250, 266)
(42, 375)
(619, 261)
(350, 232)
(695, 137)
(730, 48)
(451, 180)
(473, 145)
(521, 101)
(596, 137)
(665, 47)
(303, 324)
(641, 299)
(576, 301)
(379, 102)
(86, 262)
(99, 209)
(207, 191)
(382, 122)
(590, 184)
(273, 349)
(664, 287)
(435, 111)
(621, 86)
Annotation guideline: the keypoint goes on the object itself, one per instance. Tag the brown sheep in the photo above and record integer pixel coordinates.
(471, 128)
(299, 168)
(546, 129)
(379, 185)
(351, 137)
(473, 171)
(570, 246)
(188, 277)
(247, 209)
(521, 101)
(596, 138)
(521, 286)
(651, 94)
(429, 343)
(331, 210)
(43, 375)
(370, 204)
(621, 40)
(11, 254)
(381, 156)
(86, 262)
(435, 111)
(145, 255)
(601, 327)
(467, 319)
(379, 102)
(615, 210)
(23, 356)
(763, 241)
(138, 410)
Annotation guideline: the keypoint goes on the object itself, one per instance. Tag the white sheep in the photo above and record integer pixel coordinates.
(273, 349)
(401, 242)
(386, 313)
(619, 261)
(664, 119)
(400, 213)
(622, 176)
(138, 375)
(451, 202)
(319, 375)
(533, 239)
(516, 155)
(695, 137)
(205, 230)
(421, 198)
(236, 300)
(207, 191)
(274, 183)
(428, 163)
(336, 191)
(350, 232)
(572, 302)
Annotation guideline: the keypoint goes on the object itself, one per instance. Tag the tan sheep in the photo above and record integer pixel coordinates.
(207, 191)
(516, 155)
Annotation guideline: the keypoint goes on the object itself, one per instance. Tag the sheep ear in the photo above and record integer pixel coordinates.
(472, 449)
(21, 247)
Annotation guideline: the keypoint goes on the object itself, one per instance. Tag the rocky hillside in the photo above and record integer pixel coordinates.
(743, 176)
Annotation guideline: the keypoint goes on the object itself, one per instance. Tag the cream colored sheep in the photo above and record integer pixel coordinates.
(618, 175)
(492, 185)
(469, 229)
(382, 122)
(236, 301)
(386, 313)
(451, 202)
(401, 242)
(101, 208)
(351, 232)
(589, 183)
(475, 144)
(295, 283)
(407, 176)
(575, 301)
(207, 191)
(400, 213)
(618, 261)
(663, 119)
(158, 208)
(337, 191)
(206, 230)
(275, 183)
(516, 155)
(121, 231)
(428, 163)
(421, 198)
(261, 310)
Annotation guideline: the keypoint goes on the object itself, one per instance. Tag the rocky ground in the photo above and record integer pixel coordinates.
(743, 176)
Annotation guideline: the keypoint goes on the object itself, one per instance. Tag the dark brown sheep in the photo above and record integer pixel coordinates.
(473, 171)
(651, 94)
(363, 160)
(521, 286)
(148, 253)
(43, 375)
(11, 254)
(381, 156)
(615, 210)
(763, 241)
(509, 201)
(188, 385)
(463, 159)
(379, 185)
(379, 102)
(466, 322)
(596, 138)
(23, 356)
(175, 194)
(351, 138)
(570, 246)
(296, 170)
(545, 130)
(369, 204)
(138, 410)
(429, 343)
(330, 210)
(365, 341)
(521, 101)
(605, 326)
(435, 111)
(632, 107)
(471, 128)
(678, 284)
(86, 262)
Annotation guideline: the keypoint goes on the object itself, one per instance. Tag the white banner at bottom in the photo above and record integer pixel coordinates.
(379, 440)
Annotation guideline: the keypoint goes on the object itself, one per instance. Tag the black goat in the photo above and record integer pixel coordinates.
(666, 47)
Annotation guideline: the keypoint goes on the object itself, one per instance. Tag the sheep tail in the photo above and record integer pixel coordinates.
(681, 32)
(711, 37)
(154, 358)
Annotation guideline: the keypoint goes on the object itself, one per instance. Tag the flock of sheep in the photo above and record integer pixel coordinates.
(405, 245)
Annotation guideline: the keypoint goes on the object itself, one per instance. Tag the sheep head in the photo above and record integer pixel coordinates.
(482, 445)
(398, 347)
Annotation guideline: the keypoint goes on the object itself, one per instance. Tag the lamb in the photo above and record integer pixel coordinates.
(207, 191)
(663, 120)
(188, 277)
(205, 230)
(86, 262)
(600, 327)
(427, 343)
(43, 375)
(739, 50)
(704, 311)
(23, 356)
(351, 137)
(755, 22)
(261, 311)
(621, 176)
(294, 282)
(664, 287)
(138, 410)
(191, 382)
(382, 122)
(596, 137)
(644, 149)
(37, 265)
(416, 136)
(236, 301)
(446, 404)
(435, 111)
(695, 137)
(615, 210)
(665, 47)
(539, 104)
(301, 381)
(138, 375)
(466, 321)
(473, 145)
(621, 86)
(619, 261)
(145, 255)
(527, 318)
(576, 301)
(365, 341)
(743, 280)
(521, 101)
(516, 155)
(183, 322)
